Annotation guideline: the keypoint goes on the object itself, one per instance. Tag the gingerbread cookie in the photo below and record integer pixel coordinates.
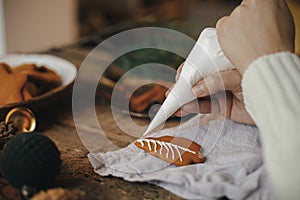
(141, 102)
(176, 150)
(25, 82)
(24, 67)
(38, 74)
(44, 78)
(11, 85)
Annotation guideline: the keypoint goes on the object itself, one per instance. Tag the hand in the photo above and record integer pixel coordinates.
(256, 28)
(232, 106)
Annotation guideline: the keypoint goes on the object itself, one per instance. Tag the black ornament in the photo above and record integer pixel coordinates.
(30, 159)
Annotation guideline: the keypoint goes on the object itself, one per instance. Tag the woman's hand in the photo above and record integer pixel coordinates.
(232, 106)
(256, 28)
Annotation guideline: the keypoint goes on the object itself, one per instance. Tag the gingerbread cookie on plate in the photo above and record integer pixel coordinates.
(11, 85)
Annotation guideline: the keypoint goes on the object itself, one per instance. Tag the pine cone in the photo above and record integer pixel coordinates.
(7, 131)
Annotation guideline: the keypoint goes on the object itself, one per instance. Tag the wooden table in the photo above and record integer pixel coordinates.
(57, 123)
(76, 171)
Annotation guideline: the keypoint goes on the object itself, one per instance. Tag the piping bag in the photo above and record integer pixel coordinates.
(205, 58)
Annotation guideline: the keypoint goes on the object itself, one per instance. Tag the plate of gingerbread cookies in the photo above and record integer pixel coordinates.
(33, 80)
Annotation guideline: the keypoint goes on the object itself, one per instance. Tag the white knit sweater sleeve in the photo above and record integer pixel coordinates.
(271, 89)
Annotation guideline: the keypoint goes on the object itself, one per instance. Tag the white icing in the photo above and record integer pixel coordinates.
(141, 142)
(180, 158)
(149, 145)
(167, 145)
(155, 146)
(160, 151)
(171, 148)
(167, 153)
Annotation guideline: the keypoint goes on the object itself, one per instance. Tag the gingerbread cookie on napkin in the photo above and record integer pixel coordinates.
(176, 150)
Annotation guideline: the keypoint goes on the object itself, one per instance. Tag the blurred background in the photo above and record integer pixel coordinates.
(37, 25)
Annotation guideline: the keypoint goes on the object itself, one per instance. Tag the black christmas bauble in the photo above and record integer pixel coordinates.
(30, 159)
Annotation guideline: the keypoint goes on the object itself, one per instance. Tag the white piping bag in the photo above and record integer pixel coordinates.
(205, 59)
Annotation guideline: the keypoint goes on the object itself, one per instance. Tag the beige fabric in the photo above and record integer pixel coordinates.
(271, 88)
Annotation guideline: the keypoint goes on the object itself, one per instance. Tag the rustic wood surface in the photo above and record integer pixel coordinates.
(57, 123)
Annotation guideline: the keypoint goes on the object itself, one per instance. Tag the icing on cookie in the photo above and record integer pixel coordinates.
(167, 145)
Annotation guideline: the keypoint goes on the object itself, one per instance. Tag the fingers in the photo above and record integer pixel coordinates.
(169, 90)
(220, 27)
(179, 71)
(225, 80)
(201, 106)
(249, 2)
(243, 2)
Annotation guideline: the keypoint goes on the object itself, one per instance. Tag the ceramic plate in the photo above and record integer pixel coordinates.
(66, 70)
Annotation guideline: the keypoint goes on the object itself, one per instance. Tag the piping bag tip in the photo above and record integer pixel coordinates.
(171, 104)
(145, 133)
(204, 59)
(159, 118)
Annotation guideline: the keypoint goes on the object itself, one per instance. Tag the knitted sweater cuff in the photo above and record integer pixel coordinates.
(271, 87)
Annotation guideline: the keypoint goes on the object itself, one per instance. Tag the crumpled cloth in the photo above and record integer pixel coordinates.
(234, 166)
